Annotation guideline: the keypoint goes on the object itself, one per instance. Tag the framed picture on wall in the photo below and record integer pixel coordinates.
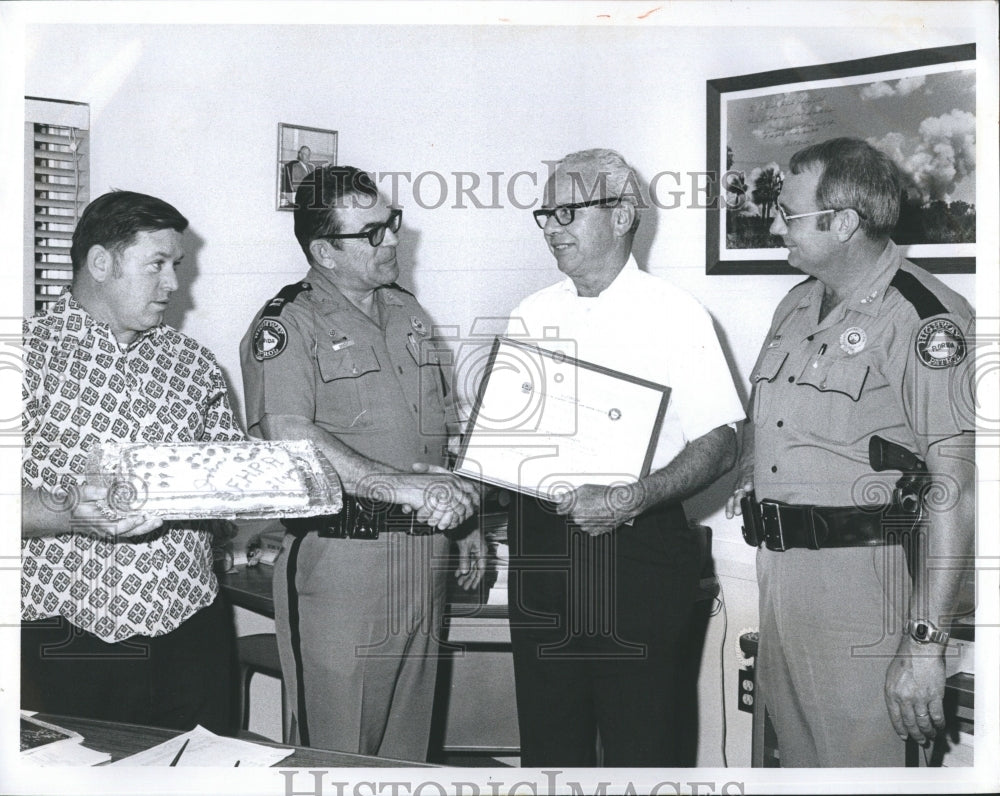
(301, 150)
(919, 107)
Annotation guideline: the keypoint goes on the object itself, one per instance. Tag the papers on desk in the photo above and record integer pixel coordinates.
(204, 748)
(45, 744)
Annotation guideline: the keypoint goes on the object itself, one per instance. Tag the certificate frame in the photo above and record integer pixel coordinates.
(756, 122)
(544, 422)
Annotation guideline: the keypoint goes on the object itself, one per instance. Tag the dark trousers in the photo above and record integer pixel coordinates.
(176, 680)
(596, 628)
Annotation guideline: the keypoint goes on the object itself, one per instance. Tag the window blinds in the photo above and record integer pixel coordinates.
(58, 192)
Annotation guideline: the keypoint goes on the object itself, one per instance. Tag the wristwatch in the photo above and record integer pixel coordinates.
(923, 631)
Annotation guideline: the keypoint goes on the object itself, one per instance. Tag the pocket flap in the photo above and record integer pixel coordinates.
(348, 363)
(846, 376)
(769, 365)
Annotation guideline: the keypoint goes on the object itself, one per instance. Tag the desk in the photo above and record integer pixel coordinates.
(250, 588)
(121, 740)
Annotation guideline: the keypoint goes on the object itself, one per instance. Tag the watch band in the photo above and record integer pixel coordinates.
(923, 631)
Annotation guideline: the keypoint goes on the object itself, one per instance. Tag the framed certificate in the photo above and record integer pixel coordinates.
(545, 422)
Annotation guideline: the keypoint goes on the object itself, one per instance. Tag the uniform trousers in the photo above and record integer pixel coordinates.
(358, 624)
(176, 680)
(830, 623)
(596, 624)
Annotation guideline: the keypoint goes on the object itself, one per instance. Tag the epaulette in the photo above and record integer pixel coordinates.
(918, 294)
(288, 293)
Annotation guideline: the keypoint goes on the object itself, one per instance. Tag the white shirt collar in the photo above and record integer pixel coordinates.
(623, 276)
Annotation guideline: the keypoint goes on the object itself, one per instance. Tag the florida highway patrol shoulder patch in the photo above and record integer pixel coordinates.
(269, 339)
(940, 344)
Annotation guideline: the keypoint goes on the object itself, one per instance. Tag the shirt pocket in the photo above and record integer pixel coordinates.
(828, 392)
(344, 398)
(768, 366)
(829, 374)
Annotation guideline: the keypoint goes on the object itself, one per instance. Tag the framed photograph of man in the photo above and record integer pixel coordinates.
(301, 150)
(919, 107)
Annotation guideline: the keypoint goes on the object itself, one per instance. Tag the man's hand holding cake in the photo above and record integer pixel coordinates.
(79, 511)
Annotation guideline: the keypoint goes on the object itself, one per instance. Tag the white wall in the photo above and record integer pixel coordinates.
(189, 113)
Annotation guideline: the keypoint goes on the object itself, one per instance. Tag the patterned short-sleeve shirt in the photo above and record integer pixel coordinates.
(81, 389)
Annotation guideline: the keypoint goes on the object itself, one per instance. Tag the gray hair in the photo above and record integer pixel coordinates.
(614, 175)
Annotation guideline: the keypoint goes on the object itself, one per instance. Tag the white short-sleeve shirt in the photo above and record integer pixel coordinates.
(648, 328)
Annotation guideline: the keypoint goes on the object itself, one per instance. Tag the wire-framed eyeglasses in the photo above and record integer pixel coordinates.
(564, 214)
(374, 232)
(786, 217)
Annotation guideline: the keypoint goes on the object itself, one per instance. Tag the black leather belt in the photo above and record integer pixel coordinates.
(783, 526)
(359, 519)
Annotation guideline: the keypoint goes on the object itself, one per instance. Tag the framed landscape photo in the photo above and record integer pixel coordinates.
(919, 107)
(301, 150)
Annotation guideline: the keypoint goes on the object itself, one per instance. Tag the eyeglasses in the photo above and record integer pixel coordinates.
(375, 232)
(785, 217)
(566, 213)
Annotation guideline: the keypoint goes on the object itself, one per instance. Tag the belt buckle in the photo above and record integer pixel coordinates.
(774, 537)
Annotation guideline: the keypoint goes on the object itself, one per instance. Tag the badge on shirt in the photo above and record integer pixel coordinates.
(940, 344)
(418, 326)
(853, 340)
(339, 341)
(269, 339)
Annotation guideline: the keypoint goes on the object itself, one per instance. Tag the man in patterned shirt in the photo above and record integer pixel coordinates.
(120, 619)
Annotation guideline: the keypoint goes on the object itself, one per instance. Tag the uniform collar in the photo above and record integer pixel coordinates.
(324, 290)
(869, 293)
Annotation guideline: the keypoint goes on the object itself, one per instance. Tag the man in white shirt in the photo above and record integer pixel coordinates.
(602, 582)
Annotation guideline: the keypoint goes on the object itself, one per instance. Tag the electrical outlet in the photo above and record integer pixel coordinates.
(747, 688)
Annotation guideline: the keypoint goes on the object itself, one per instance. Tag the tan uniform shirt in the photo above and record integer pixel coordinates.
(892, 359)
(378, 389)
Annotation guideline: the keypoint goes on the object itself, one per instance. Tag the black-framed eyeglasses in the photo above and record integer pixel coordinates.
(374, 232)
(565, 214)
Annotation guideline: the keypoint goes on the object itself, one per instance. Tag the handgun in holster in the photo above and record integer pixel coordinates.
(907, 508)
(908, 496)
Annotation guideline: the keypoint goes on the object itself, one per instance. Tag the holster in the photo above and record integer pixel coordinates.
(359, 519)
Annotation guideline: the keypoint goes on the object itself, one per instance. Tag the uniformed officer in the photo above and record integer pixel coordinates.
(345, 358)
(851, 656)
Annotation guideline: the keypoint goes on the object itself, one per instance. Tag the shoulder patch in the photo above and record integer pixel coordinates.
(918, 294)
(269, 339)
(940, 344)
(288, 293)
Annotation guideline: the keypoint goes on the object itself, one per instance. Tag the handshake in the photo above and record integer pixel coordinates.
(439, 498)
